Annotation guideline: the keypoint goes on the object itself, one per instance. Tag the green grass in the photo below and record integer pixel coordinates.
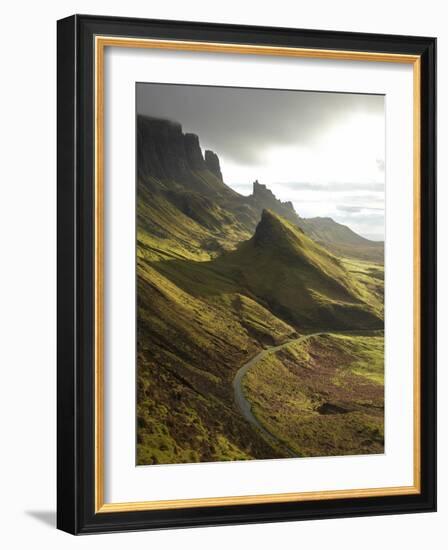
(322, 396)
(286, 272)
(366, 355)
(189, 348)
(209, 297)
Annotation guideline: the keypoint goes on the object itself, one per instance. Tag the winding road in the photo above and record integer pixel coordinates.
(245, 406)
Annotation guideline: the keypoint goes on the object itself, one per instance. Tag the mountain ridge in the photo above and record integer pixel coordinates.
(220, 277)
(304, 283)
(173, 159)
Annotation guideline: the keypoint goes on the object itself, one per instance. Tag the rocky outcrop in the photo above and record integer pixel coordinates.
(265, 199)
(165, 152)
(212, 163)
(262, 194)
(168, 158)
(193, 152)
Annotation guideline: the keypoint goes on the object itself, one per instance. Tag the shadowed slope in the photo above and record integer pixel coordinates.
(287, 273)
(298, 279)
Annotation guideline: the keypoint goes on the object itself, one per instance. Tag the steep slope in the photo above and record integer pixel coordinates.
(332, 232)
(174, 160)
(336, 237)
(182, 199)
(288, 274)
(199, 321)
(192, 334)
(299, 280)
(264, 199)
(188, 348)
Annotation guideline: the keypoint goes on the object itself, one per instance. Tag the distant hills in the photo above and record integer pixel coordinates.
(219, 276)
(341, 240)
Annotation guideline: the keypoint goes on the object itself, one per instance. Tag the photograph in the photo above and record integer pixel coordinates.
(260, 229)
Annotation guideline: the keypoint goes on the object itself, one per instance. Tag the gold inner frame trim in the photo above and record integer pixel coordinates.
(101, 42)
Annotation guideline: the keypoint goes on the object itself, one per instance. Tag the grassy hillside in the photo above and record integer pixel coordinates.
(192, 334)
(299, 280)
(324, 395)
(341, 240)
(188, 350)
(218, 281)
(201, 317)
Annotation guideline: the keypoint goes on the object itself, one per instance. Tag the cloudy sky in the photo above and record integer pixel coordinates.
(325, 152)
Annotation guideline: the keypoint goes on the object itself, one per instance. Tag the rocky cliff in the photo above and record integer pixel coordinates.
(168, 156)
(161, 149)
(264, 199)
(212, 163)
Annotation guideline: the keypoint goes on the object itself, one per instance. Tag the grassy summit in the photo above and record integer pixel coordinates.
(298, 279)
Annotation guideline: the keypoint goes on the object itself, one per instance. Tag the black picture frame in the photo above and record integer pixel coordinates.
(76, 270)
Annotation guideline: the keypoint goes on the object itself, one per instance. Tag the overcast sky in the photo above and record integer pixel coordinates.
(325, 152)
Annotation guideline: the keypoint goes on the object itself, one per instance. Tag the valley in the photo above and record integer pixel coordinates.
(223, 279)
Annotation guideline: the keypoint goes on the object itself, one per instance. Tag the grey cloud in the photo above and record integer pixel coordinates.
(335, 187)
(351, 209)
(361, 199)
(357, 209)
(241, 123)
(243, 188)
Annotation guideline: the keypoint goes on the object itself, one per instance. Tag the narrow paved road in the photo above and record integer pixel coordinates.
(244, 405)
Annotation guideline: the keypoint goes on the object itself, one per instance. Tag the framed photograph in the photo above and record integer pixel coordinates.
(246, 274)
